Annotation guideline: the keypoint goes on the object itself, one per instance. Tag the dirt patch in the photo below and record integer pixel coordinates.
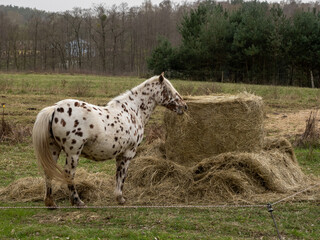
(288, 124)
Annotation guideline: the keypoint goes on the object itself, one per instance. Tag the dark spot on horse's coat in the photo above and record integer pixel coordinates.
(54, 153)
(84, 118)
(70, 111)
(71, 148)
(76, 123)
(73, 141)
(73, 131)
(91, 126)
(60, 109)
(56, 120)
(113, 146)
(58, 139)
(116, 138)
(64, 140)
(67, 133)
(112, 125)
(76, 104)
(63, 122)
(80, 134)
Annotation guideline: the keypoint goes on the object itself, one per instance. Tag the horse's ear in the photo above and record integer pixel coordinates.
(161, 77)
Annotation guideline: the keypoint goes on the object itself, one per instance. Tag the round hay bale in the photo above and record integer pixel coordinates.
(214, 125)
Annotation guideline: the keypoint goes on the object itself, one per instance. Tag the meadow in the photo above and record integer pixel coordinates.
(24, 95)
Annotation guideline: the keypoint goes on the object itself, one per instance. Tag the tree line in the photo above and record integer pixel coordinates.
(234, 41)
(108, 40)
(254, 43)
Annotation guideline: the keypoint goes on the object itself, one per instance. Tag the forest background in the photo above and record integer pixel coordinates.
(235, 41)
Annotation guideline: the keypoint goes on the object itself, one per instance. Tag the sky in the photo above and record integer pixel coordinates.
(64, 5)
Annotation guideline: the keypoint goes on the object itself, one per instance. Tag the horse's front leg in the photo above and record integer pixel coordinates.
(122, 169)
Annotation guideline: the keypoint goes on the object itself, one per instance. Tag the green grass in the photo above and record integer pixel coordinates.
(26, 94)
(295, 221)
(309, 160)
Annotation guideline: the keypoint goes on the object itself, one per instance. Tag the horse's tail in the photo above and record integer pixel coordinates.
(41, 137)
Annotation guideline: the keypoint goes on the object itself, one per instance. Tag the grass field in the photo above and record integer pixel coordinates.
(25, 95)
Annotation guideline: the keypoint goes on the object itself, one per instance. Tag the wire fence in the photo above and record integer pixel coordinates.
(268, 206)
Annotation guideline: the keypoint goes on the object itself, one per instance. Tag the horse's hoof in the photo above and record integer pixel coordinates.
(121, 200)
(50, 204)
(80, 204)
(76, 202)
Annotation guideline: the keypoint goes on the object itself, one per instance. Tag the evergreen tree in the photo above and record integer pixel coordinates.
(161, 57)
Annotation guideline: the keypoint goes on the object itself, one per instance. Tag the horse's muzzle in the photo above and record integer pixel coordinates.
(182, 108)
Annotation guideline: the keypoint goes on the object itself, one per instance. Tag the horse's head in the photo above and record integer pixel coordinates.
(169, 97)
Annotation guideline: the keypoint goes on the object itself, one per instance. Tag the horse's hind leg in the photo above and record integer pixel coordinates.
(48, 198)
(70, 169)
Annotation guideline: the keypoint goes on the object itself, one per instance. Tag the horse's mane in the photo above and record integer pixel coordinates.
(134, 89)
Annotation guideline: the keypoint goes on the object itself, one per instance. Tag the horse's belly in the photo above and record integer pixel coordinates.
(101, 152)
(97, 152)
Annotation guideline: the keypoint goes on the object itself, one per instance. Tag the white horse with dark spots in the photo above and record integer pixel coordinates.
(98, 133)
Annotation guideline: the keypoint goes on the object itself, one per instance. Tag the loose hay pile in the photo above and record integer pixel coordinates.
(212, 163)
(92, 187)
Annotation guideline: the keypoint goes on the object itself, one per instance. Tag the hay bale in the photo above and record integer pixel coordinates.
(213, 125)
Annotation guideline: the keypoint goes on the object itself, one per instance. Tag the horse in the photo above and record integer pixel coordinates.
(98, 133)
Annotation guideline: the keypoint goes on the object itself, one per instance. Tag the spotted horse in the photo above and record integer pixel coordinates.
(98, 133)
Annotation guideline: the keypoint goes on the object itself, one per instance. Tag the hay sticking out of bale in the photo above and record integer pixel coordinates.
(214, 125)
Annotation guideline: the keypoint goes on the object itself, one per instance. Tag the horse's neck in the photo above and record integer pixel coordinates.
(140, 100)
(144, 101)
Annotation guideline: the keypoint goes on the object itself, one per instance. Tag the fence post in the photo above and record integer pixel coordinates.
(270, 210)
